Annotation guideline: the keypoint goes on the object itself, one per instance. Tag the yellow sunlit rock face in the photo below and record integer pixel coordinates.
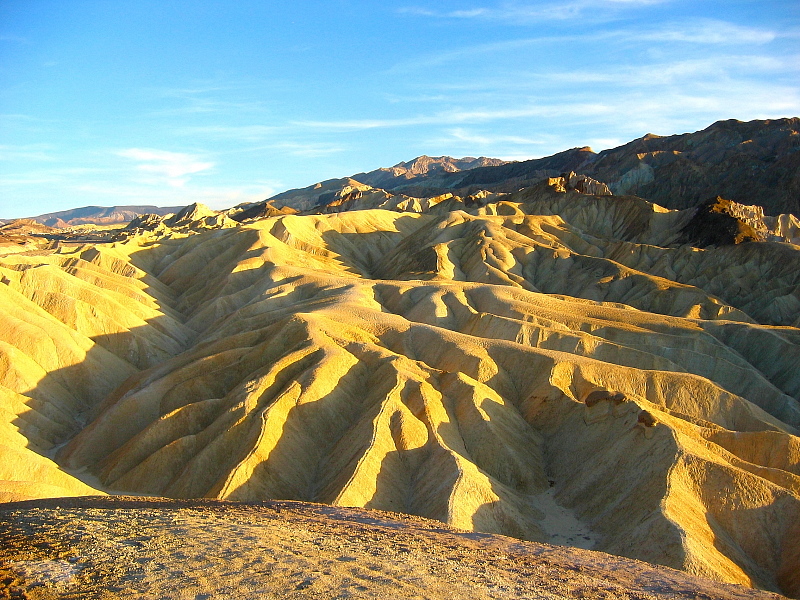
(559, 368)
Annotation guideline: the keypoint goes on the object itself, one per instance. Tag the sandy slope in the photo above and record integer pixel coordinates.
(431, 364)
(135, 548)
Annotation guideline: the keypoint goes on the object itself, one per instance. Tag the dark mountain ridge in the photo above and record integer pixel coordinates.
(755, 162)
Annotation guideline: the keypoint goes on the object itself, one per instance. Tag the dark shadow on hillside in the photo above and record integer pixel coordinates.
(310, 432)
(416, 481)
(322, 443)
(363, 253)
(65, 400)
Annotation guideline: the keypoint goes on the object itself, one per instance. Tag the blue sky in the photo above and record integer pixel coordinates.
(141, 102)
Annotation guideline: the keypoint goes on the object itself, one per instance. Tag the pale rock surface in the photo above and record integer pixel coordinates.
(107, 548)
(435, 364)
(580, 183)
(783, 228)
(197, 216)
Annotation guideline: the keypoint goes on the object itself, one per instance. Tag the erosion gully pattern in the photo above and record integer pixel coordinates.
(558, 371)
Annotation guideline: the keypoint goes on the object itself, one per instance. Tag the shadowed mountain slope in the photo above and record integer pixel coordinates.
(552, 366)
(756, 162)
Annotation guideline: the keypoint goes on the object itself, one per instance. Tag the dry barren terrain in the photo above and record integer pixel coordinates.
(549, 365)
(155, 548)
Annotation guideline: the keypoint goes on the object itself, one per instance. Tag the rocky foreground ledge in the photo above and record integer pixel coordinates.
(123, 547)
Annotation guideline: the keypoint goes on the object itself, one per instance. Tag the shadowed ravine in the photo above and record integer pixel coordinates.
(436, 365)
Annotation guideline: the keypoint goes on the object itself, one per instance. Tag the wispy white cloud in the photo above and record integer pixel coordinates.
(565, 93)
(169, 166)
(210, 98)
(27, 152)
(272, 137)
(519, 13)
(23, 125)
(415, 98)
(11, 117)
(634, 105)
(418, 11)
(683, 72)
(193, 91)
(57, 176)
(362, 124)
(251, 133)
(508, 147)
(467, 52)
(663, 96)
(206, 106)
(483, 140)
(456, 116)
(310, 149)
(108, 186)
(511, 147)
(708, 32)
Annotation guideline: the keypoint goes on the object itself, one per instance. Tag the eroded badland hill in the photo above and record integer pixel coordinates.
(556, 364)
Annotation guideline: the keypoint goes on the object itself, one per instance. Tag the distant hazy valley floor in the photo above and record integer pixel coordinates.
(556, 367)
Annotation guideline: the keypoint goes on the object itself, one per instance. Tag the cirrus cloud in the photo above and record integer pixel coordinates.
(173, 166)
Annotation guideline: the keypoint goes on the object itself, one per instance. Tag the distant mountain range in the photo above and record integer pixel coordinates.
(427, 167)
(755, 162)
(99, 215)
(426, 172)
